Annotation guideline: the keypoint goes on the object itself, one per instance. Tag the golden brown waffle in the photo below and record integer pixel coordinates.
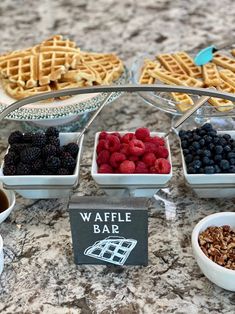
(183, 101)
(82, 72)
(18, 92)
(171, 64)
(224, 61)
(223, 104)
(188, 64)
(211, 75)
(228, 76)
(146, 77)
(173, 78)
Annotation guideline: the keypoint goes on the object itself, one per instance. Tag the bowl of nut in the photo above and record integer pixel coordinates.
(208, 158)
(138, 163)
(213, 243)
(42, 164)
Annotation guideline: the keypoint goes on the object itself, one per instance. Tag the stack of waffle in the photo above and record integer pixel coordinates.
(55, 64)
(179, 69)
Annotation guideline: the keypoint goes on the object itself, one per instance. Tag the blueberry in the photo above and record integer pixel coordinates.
(231, 169)
(200, 152)
(201, 170)
(212, 133)
(184, 144)
(208, 139)
(202, 142)
(211, 146)
(216, 140)
(227, 148)
(206, 161)
(217, 169)
(196, 164)
(195, 145)
(211, 163)
(218, 149)
(202, 132)
(191, 170)
(196, 137)
(188, 158)
(207, 127)
(224, 164)
(232, 161)
(185, 151)
(182, 133)
(196, 157)
(209, 170)
(222, 141)
(227, 136)
(191, 149)
(217, 158)
(207, 153)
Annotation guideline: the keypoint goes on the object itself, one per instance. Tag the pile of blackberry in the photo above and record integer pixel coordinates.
(39, 154)
(207, 152)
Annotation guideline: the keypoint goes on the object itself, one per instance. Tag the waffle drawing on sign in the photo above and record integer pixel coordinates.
(114, 250)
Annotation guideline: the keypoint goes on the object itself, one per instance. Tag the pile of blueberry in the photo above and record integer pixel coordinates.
(39, 154)
(207, 152)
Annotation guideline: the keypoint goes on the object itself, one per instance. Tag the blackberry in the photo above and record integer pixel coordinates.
(46, 172)
(17, 148)
(9, 170)
(51, 131)
(53, 163)
(27, 137)
(37, 165)
(69, 163)
(49, 150)
(10, 158)
(72, 148)
(23, 169)
(63, 172)
(53, 141)
(39, 139)
(15, 137)
(30, 154)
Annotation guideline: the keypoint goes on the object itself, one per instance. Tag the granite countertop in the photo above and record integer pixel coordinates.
(39, 274)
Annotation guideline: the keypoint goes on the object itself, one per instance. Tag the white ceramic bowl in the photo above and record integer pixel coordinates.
(1, 255)
(63, 183)
(221, 276)
(135, 184)
(205, 184)
(11, 200)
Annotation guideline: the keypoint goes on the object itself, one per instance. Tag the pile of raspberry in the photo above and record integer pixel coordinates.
(39, 154)
(137, 152)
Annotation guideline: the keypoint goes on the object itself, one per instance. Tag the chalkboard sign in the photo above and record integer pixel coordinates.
(106, 230)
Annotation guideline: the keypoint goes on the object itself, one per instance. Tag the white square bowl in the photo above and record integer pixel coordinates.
(46, 186)
(137, 184)
(211, 185)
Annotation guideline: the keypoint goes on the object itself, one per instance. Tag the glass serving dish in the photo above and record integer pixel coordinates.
(166, 103)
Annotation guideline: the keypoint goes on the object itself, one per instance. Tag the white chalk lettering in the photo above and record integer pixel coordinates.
(106, 216)
(106, 229)
(96, 228)
(98, 217)
(85, 216)
(115, 229)
(128, 217)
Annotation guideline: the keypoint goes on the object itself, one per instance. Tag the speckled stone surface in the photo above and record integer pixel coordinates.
(39, 274)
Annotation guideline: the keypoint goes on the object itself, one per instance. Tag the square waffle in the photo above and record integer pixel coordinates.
(114, 250)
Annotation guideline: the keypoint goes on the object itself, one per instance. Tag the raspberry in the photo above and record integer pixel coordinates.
(103, 135)
(103, 157)
(156, 140)
(136, 147)
(162, 166)
(51, 131)
(142, 133)
(124, 149)
(153, 170)
(162, 152)
(100, 146)
(127, 166)
(128, 137)
(133, 158)
(149, 159)
(105, 168)
(116, 158)
(150, 147)
(116, 134)
(15, 138)
(112, 143)
(140, 167)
